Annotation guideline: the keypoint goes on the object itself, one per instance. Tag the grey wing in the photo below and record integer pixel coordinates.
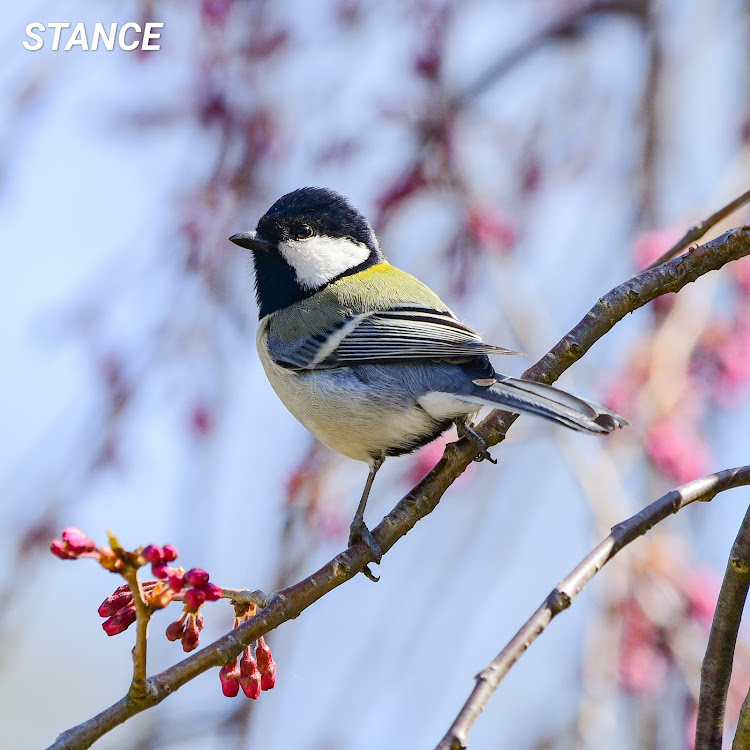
(397, 335)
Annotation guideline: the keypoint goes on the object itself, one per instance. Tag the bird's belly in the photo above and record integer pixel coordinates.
(360, 420)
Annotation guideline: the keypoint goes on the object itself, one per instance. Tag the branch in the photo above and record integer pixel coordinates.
(290, 602)
(698, 230)
(717, 663)
(562, 25)
(488, 680)
(139, 686)
(742, 735)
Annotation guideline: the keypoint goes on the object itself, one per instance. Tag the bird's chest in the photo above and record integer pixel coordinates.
(357, 418)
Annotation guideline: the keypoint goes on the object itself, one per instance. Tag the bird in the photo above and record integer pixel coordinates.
(368, 358)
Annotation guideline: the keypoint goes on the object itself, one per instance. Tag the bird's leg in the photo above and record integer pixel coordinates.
(358, 531)
(465, 430)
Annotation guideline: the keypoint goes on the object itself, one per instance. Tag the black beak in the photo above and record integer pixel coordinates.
(250, 241)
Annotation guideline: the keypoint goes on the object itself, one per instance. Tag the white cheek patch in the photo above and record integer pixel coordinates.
(317, 260)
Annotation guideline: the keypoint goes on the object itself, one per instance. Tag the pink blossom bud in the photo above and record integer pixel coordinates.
(175, 629)
(268, 678)
(249, 676)
(76, 541)
(176, 580)
(170, 552)
(248, 665)
(153, 553)
(194, 598)
(160, 570)
(191, 636)
(200, 621)
(196, 577)
(212, 592)
(263, 654)
(58, 548)
(119, 622)
(230, 680)
(114, 603)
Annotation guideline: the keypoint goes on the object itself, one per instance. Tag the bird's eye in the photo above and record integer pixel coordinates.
(303, 231)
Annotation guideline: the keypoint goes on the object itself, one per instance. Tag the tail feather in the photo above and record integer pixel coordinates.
(525, 396)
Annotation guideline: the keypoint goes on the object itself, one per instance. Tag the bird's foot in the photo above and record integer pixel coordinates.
(358, 532)
(465, 431)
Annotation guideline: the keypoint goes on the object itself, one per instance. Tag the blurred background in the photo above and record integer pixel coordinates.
(522, 159)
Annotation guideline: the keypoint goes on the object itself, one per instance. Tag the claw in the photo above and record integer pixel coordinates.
(465, 431)
(358, 532)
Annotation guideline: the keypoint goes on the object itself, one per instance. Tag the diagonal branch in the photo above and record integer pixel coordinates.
(562, 596)
(698, 230)
(561, 26)
(717, 663)
(290, 602)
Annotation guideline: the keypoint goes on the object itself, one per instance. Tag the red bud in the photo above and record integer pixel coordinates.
(268, 679)
(230, 680)
(160, 570)
(263, 654)
(249, 676)
(196, 577)
(153, 553)
(170, 552)
(194, 598)
(114, 603)
(175, 629)
(191, 636)
(76, 541)
(119, 622)
(58, 548)
(212, 592)
(176, 580)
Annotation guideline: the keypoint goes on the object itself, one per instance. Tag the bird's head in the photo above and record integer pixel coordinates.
(306, 240)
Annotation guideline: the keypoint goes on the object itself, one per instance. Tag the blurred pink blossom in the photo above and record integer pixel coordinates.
(678, 449)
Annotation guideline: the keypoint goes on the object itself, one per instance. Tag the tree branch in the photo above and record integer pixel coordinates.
(717, 663)
(288, 603)
(139, 686)
(698, 230)
(742, 735)
(561, 597)
(565, 24)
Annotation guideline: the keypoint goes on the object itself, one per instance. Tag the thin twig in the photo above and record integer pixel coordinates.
(717, 663)
(563, 25)
(561, 597)
(139, 686)
(423, 499)
(698, 230)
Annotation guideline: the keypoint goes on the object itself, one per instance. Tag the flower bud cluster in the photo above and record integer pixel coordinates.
(255, 672)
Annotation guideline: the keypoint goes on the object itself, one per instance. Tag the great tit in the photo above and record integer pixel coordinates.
(367, 357)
